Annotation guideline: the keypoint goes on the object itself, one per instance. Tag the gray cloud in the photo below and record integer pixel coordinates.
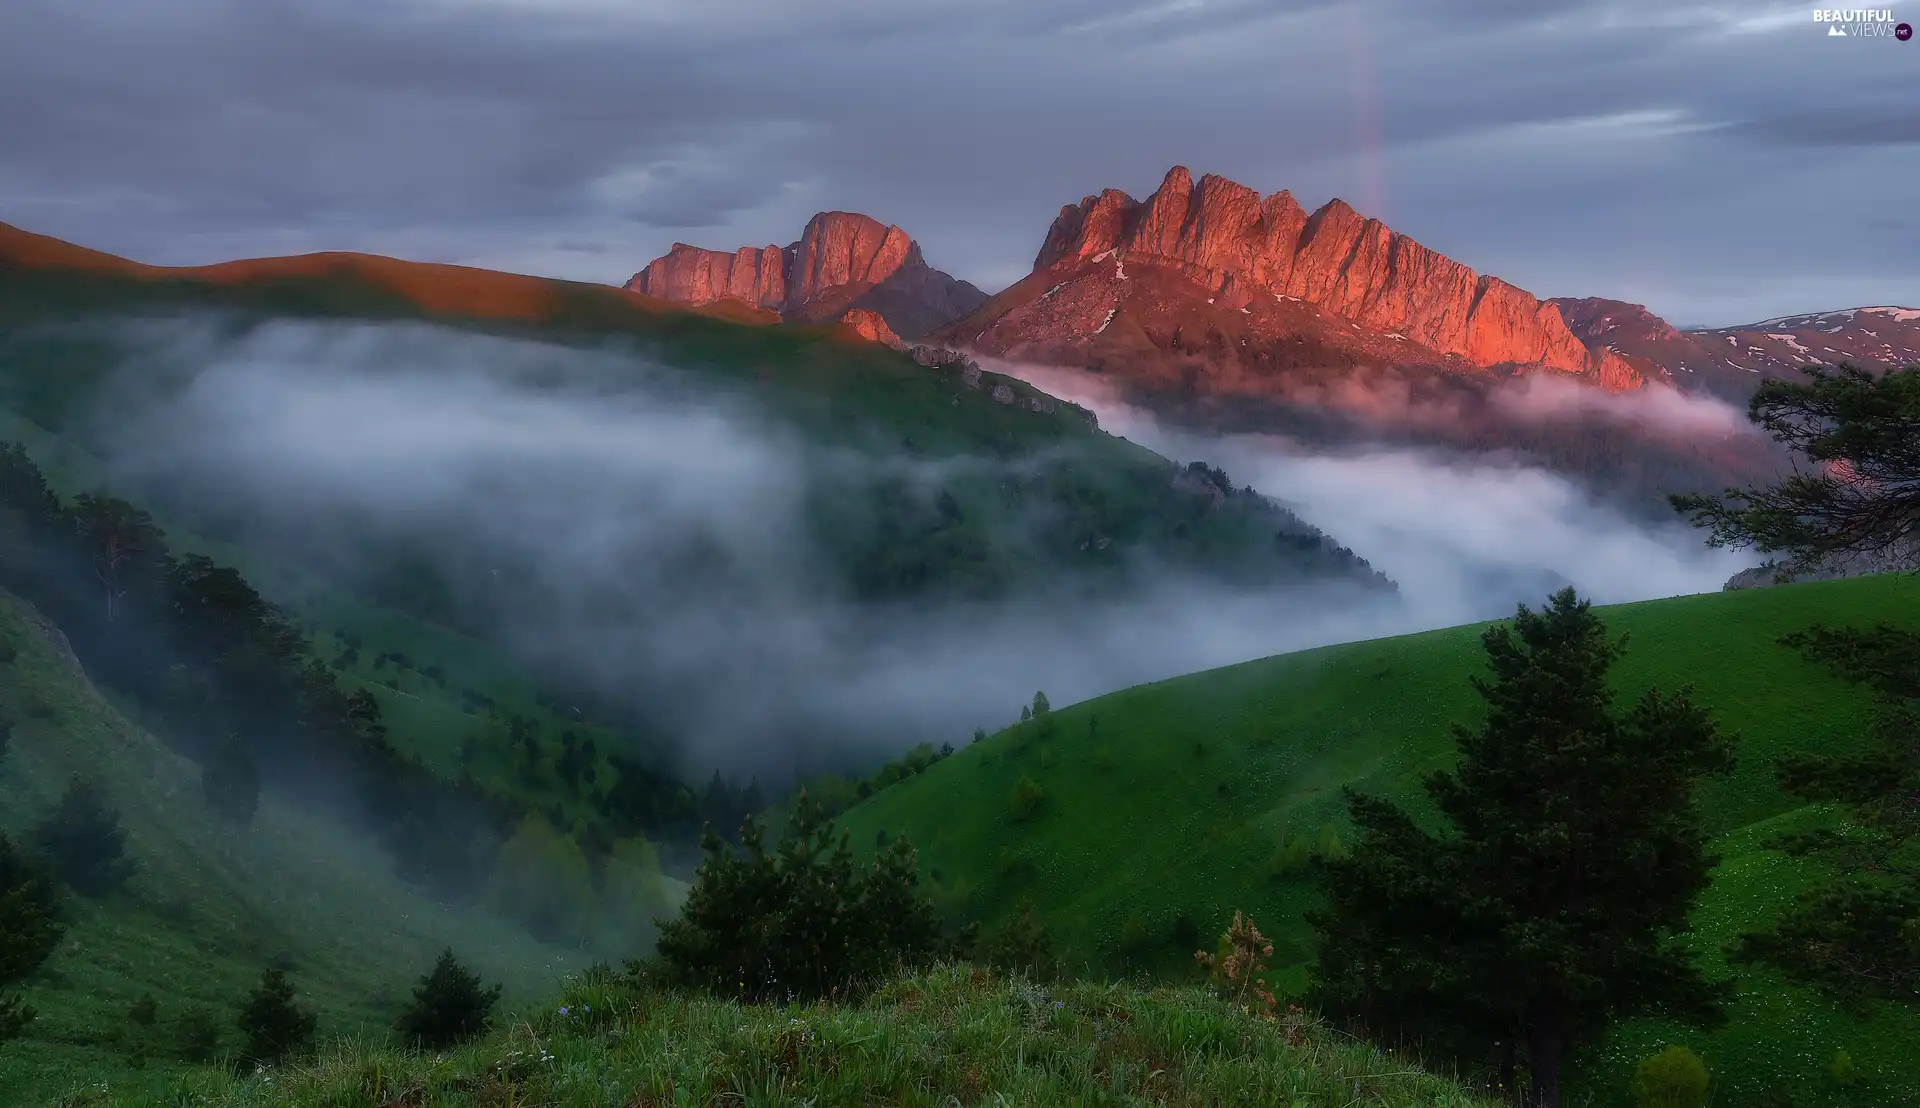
(1634, 148)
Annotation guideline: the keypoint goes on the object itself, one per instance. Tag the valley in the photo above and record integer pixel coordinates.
(524, 604)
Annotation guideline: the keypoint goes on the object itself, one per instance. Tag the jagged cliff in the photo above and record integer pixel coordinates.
(1247, 253)
(842, 261)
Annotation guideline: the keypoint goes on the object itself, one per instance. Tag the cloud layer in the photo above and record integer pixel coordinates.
(648, 535)
(1719, 162)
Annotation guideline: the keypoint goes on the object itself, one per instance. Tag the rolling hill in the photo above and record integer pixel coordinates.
(210, 907)
(1204, 794)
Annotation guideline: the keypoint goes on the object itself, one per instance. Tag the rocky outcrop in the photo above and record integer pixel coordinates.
(869, 325)
(841, 261)
(1241, 246)
(841, 248)
(691, 275)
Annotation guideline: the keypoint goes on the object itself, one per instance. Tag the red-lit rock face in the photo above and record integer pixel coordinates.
(841, 260)
(1241, 246)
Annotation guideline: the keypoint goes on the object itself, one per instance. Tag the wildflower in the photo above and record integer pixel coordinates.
(563, 1009)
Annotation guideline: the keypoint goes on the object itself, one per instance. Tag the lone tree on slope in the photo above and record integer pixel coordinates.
(450, 1006)
(1862, 432)
(1571, 851)
(83, 839)
(29, 931)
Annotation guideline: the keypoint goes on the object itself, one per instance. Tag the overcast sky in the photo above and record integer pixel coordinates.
(1719, 162)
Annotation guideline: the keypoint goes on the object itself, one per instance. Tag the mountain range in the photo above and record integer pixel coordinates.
(1208, 287)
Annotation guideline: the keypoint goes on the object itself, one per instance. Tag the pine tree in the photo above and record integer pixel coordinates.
(272, 1024)
(1862, 495)
(231, 782)
(84, 841)
(29, 931)
(1857, 936)
(1572, 852)
(449, 1006)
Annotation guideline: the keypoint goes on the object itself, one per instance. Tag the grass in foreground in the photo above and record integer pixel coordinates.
(954, 1034)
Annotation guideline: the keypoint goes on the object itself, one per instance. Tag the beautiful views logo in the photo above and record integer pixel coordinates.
(1861, 23)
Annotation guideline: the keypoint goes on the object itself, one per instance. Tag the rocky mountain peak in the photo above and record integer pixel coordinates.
(1242, 248)
(842, 261)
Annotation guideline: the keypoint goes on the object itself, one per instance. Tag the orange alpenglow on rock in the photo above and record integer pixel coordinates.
(870, 325)
(1239, 244)
(842, 260)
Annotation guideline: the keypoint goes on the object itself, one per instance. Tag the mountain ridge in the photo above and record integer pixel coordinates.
(1248, 253)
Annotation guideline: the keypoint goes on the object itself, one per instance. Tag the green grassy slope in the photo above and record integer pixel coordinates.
(952, 1035)
(210, 907)
(1174, 798)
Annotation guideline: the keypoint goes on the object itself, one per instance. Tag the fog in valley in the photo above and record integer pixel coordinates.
(654, 532)
(1465, 537)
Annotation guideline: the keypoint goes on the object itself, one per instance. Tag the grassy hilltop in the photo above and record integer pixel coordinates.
(1206, 793)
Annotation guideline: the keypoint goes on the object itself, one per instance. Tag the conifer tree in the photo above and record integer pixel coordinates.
(1571, 852)
(272, 1024)
(84, 841)
(1857, 936)
(29, 931)
(1861, 497)
(449, 1006)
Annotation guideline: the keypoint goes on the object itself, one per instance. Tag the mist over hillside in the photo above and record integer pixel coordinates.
(667, 545)
(670, 546)
(1466, 535)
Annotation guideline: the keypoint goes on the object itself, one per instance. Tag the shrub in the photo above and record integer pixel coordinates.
(542, 881)
(633, 894)
(8, 652)
(1290, 855)
(231, 782)
(1047, 760)
(1027, 797)
(1133, 933)
(197, 1035)
(801, 920)
(1237, 963)
(1841, 1069)
(84, 841)
(144, 1011)
(1186, 932)
(1673, 1078)
(271, 1023)
(979, 734)
(449, 1006)
(1024, 945)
